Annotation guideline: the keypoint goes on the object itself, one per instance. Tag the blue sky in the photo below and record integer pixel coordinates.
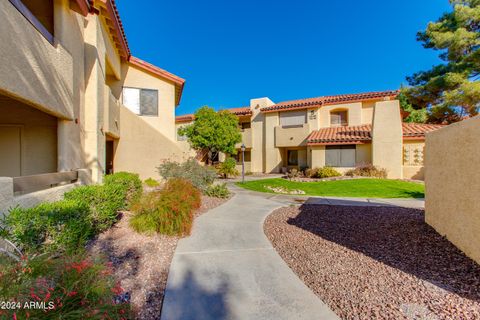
(232, 51)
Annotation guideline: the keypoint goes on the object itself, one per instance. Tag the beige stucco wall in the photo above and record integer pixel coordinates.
(38, 136)
(291, 137)
(387, 138)
(363, 154)
(452, 182)
(316, 156)
(258, 133)
(165, 121)
(367, 112)
(32, 68)
(272, 159)
(354, 113)
(142, 147)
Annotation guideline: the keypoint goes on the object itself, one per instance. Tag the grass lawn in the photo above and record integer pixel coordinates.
(368, 188)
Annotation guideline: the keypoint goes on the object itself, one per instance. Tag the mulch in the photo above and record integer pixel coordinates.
(376, 262)
(141, 262)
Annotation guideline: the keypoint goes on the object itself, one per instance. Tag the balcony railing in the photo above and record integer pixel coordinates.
(291, 136)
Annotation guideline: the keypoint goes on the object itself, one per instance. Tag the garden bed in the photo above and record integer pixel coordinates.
(376, 262)
(141, 262)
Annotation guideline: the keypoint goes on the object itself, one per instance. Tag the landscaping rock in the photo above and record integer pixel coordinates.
(376, 262)
(284, 190)
(141, 262)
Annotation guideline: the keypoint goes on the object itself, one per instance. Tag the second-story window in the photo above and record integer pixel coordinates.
(293, 118)
(338, 118)
(143, 102)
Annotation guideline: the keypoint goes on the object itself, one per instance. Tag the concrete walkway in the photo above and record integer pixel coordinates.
(227, 268)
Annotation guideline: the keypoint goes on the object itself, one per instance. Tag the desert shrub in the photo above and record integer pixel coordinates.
(248, 173)
(217, 191)
(104, 201)
(168, 211)
(294, 173)
(323, 172)
(71, 288)
(367, 170)
(63, 226)
(227, 168)
(129, 181)
(151, 183)
(200, 176)
(327, 172)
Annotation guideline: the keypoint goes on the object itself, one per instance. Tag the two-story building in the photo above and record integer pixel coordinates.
(340, 131)
(73, 97)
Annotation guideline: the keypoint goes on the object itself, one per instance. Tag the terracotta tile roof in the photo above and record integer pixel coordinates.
(362, 134)
(338, 135)
(185, 118)
(330, 100)
(243, 111)
(418, 130)
(179, 82)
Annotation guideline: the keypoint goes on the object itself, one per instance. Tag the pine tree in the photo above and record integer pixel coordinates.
(451, 90)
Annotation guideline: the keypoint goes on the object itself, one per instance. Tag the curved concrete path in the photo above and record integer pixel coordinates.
(227, 269)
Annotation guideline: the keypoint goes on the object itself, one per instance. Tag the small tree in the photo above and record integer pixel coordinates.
(213, 131)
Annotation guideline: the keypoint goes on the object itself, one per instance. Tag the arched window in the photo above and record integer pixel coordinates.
(339, 118)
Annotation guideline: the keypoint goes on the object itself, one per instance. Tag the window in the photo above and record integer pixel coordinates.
(293, 118)
(292, 157)
(248, 156)
(143, 102)
(340, 156)
(245, 125)
(338, 118)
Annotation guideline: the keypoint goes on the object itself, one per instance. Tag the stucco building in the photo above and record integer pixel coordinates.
(73, 97)
(74, 103)
(340, 131)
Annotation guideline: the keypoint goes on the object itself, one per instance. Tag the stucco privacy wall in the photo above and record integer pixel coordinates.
(452, 184)
(142, 147)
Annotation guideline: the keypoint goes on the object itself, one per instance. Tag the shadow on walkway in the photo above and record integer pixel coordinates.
(190, 300)
(398, 237)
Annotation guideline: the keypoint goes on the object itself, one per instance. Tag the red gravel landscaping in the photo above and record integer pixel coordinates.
(141, 262)
(376, 262)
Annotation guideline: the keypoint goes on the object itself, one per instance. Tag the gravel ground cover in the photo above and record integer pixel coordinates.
(376, 262)
(141, 262)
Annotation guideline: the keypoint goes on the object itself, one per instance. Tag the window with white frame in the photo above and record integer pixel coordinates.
(293, 118)
(340, 156)
(143, 102)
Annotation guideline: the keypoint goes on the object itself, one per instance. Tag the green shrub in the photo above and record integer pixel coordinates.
(168, 211)
(227, 168)
(152, 183)
(70, 287)
(217, 191)
(130, 182)
(104, 201)
(62, 225)
(367, 170)
(320, 173)
(327, 172)
(200, 176)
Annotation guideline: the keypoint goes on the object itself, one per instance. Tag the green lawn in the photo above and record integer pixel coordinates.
(368, 188)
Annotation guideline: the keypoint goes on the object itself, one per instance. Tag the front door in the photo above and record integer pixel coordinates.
(10, 151)
(109, 149)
